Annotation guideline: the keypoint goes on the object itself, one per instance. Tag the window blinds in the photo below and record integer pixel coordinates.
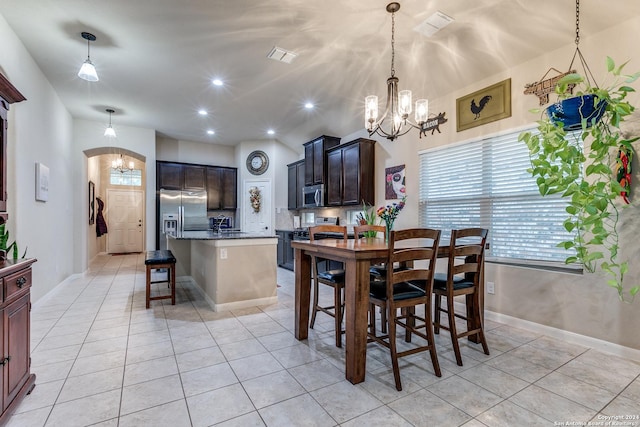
(485, 183)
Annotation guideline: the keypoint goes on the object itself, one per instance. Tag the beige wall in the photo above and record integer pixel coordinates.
(582, 304)
(39, 130)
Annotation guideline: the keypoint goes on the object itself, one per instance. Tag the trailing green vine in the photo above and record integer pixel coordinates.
(578, 165)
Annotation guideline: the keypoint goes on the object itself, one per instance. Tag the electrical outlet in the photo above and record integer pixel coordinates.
(223, 253)
(491, 288)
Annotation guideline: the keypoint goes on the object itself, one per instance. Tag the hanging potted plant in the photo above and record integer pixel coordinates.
(577, 161)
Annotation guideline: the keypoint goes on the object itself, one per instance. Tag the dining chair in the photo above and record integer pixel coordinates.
(378, 270)
(331, 277)
(462, 278)
(396, 291)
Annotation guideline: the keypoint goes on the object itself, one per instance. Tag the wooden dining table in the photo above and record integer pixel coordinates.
(357, 256)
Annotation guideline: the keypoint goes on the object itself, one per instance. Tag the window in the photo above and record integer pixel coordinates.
(485, 183)
(132, 177)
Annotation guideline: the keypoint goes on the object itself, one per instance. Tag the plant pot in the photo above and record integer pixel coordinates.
(571, 111)
(3, 255)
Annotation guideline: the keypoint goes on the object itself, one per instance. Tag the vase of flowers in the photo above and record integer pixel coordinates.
(389, 214)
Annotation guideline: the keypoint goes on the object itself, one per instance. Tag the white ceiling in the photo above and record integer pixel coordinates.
(156, 58)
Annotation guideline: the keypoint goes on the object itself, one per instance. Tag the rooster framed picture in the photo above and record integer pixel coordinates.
(484, 106)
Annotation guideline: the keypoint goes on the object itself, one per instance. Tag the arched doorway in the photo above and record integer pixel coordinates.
(118, 195)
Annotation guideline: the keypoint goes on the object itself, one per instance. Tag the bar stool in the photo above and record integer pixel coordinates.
(155, 260)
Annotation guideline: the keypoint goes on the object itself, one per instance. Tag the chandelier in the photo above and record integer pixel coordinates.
(398, 102)
(118, 165)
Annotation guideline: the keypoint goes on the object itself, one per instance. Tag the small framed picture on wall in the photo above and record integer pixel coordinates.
(394, 182)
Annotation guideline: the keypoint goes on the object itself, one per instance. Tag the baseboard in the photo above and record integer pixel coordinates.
(236, 305)
(595, 343)
(46, 297)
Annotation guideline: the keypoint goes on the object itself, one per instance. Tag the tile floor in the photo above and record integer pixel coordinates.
(102, 359)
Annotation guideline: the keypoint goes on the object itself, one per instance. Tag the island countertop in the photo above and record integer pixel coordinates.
(212, 235)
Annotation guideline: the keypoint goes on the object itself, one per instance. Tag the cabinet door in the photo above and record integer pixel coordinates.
(351, 175)
(334, 184)
(229, 178)
(195, 177)
(300, 171)
(280, 235)
(292, 187)
(318, 162)
(214, 186)
(308, 163)
(288, 251)
(169, 176)
(16, 327)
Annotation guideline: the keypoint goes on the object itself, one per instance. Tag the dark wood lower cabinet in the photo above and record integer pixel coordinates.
(285, 251)
(16, 379)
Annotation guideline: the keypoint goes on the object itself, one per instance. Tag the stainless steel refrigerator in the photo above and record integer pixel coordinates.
(181, 211)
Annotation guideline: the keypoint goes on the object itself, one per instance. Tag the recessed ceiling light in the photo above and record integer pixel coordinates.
(308, 105)
(202, 112)
(271, 131)
(217, 82)
(210, 132)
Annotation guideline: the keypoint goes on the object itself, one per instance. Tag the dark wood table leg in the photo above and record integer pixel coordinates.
(302, 268)
(356, 308)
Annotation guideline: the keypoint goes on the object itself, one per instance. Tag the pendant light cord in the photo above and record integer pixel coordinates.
(393, 42)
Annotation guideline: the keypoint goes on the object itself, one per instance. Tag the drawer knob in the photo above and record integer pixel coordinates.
(21, 281)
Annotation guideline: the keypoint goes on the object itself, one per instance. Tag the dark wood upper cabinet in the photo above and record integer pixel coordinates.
(333, 185)
(229, 188)
(214, 188)
(194, 177)
(8, 95)
(221, 188)
(219, 182)
(296, 177)
(314, 155)
(350, 173)
(169, 176)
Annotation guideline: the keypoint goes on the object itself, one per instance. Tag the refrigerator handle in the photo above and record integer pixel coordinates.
(181, 219)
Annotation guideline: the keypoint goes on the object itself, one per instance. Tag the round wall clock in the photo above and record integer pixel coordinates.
(257, 162)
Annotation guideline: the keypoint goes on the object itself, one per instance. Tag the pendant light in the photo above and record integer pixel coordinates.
(88, 71)
(109, 131)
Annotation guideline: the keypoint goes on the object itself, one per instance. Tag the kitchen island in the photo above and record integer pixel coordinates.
(233, 269)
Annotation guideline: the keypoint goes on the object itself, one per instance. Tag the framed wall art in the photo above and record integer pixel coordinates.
(484, 106)
(42, 182)
(92, 202)
(394, 182)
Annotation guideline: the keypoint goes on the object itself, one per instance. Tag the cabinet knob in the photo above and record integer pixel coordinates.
(5, 360)
(21, 281)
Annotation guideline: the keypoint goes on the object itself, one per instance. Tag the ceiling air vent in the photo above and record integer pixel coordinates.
(433, 24)
(282, 55)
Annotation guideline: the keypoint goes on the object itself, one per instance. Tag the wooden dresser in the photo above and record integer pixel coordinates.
(15, 315)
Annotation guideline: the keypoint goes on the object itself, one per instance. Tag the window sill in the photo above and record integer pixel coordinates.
(538, 265)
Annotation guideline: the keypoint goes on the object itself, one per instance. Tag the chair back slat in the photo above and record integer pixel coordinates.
(327, 229)
(467, 243)
(359, 230)
(428, 239)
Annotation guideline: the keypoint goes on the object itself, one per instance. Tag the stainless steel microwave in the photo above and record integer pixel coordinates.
(313, 196)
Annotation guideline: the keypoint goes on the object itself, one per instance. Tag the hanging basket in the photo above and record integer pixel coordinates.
(571, 111)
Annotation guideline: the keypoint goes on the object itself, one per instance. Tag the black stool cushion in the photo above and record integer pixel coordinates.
(401, 291)
(334, 276)
(440, 282)
(159, 257)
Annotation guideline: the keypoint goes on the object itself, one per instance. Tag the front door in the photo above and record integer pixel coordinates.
(257, 213)
(124, 212)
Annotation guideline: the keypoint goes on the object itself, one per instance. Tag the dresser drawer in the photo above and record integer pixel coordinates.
(15, 284)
